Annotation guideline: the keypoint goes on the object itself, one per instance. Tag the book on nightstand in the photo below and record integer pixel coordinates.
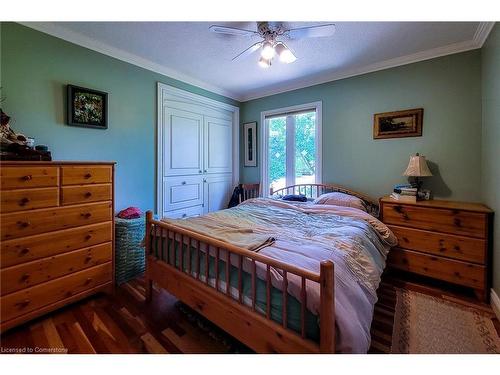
(404, 198)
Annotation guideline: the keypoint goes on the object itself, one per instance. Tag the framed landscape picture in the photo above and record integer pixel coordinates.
(87, 108)
(250, 139)
(398, 124)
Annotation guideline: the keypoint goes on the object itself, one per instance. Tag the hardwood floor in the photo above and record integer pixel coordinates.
(123, 323)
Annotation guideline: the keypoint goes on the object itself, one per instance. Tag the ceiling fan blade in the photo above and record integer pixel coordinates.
(312, 31)
(231, 30)
(248, 51)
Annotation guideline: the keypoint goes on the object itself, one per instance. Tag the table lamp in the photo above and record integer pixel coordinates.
(417, 167)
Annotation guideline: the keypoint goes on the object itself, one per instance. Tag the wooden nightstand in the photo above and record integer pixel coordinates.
(444, 240)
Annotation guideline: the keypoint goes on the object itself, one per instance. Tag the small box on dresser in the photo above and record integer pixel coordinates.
(445, 240)
(56, 236)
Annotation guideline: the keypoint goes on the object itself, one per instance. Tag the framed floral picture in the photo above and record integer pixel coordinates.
(87, 108)
(250, 139)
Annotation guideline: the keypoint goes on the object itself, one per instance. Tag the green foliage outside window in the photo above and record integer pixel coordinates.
(305, 148)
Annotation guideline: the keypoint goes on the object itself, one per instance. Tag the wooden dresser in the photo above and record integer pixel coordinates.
(56, 235)
(444, 240)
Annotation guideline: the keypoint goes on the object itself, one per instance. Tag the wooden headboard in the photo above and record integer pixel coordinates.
(315, 190)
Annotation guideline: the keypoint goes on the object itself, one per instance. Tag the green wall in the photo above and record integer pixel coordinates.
(449, 90)
(35, 68)
(490, 54)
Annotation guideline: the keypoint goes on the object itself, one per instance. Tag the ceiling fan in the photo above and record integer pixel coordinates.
(273, 34)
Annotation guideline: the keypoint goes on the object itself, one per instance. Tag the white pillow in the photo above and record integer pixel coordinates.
(341, 199)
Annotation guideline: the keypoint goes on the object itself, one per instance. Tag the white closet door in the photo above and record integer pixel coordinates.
(218, 143)
(218, 190)
(183, 142)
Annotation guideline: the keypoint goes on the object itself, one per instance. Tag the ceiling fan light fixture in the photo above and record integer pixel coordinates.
(264, 63)
(267, 50)
(286, 56)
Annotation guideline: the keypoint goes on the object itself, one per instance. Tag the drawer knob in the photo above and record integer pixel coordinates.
(88, 194)
(456, 247)
(405, 239)
(183, 182)
(87, 175)
(88, 237)
(25, 277)
(23, 304)
(27, 177)
(200, 171)
(205, 170)
(457, 222)
(23, 224)
(86, 215)
(25, 251)
(184, 215)
(88, 258)
(88, 281)
(24, 201)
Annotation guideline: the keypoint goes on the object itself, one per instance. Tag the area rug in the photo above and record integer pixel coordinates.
(214, 332)
(427, 325)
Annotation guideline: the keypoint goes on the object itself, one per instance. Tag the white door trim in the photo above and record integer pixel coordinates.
(264, 133)
(199, 99)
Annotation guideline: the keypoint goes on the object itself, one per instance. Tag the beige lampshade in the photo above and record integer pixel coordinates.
(417, 167)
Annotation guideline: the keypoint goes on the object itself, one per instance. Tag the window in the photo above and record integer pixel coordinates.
(291, 149)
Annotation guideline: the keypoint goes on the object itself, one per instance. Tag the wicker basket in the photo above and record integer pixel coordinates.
(129, 255)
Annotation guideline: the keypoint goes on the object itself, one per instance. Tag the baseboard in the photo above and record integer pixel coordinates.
(495, 303)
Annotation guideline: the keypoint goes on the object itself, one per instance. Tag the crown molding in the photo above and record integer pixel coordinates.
(84, 41)
(482, 32)
(480, 36)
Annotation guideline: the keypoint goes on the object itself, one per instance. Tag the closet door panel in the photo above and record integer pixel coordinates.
(183, 142)
(181, 192)
(218, 145)
(218, 191)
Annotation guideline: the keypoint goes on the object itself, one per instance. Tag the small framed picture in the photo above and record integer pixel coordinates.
(250, 139)
(399, 124)
(87, 108)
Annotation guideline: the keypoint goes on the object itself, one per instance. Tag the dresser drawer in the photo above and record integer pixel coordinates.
(28, 177)
(39, 271)
(27, 223)
(26, 300)
(80, 175)
(28, 199)
(442, 220)
(85, 194)
(447, 245)
(21, 250)
(453, 271)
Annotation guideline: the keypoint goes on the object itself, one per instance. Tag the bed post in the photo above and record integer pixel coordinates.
(149, 282)
(327, 308)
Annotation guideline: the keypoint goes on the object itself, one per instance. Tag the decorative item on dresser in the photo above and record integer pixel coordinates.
(445, 240)
(56, 235)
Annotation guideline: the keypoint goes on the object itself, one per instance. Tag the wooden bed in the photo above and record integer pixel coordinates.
(243, 321)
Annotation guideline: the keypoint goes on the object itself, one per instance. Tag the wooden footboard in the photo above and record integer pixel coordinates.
(228, 308)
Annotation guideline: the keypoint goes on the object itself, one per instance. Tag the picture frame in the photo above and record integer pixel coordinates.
(398, 124)
(250, 139)
(87, 108)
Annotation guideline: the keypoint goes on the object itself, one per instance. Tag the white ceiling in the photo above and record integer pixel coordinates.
(189, 52)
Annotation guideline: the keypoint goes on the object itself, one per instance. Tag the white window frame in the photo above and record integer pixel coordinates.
(264, 142)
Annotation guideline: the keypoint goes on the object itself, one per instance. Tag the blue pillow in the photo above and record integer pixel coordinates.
(295, 198)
